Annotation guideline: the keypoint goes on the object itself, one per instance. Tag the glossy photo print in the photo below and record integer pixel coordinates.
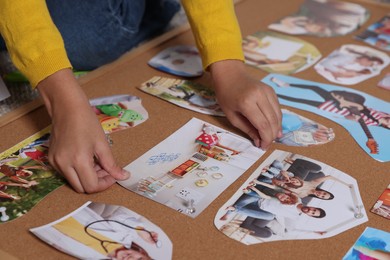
(290, 197)
(365, 117)
(323, 18)
(26, 176)
(119, 112)
(191, 167)
(377, 34)
(180, 60)
(300, 131)
(103, 231)
(373, 244)
(351, 64)
(382, 205)
(184, 93)
(279, 53)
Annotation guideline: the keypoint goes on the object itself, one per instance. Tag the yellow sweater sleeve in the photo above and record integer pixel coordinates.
(215, 28)
(33, 41)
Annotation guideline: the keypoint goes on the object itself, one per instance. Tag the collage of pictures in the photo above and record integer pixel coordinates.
(288, 197)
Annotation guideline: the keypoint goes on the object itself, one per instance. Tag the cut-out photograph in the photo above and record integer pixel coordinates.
(103, 231)
(351, 64)
(184, 93)
(289, 197)
(372, 244)
(191, 167)
(382, 205)
(300, 131)
(365, 117)
(181, 60)
(279, 53)
(377, 34)
(323, 18)
(119, 112)
(26, 176)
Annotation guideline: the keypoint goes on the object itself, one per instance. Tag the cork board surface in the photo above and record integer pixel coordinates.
(198, 238)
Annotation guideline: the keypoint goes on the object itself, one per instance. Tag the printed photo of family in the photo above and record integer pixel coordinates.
(351, 64)
(366, 118)
(102, 231)
(291, 197)
(323, 18)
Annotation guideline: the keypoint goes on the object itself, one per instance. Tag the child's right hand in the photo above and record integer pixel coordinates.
(78, 146)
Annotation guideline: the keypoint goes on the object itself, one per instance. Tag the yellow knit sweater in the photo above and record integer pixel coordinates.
(37, 49)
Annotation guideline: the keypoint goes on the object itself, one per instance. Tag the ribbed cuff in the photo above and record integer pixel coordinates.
(46, 65)
(218, 51)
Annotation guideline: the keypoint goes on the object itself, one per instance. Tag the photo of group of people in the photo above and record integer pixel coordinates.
(351, 64)
(289, 197)
(323, 18)
(367, 118)
(103, 231)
